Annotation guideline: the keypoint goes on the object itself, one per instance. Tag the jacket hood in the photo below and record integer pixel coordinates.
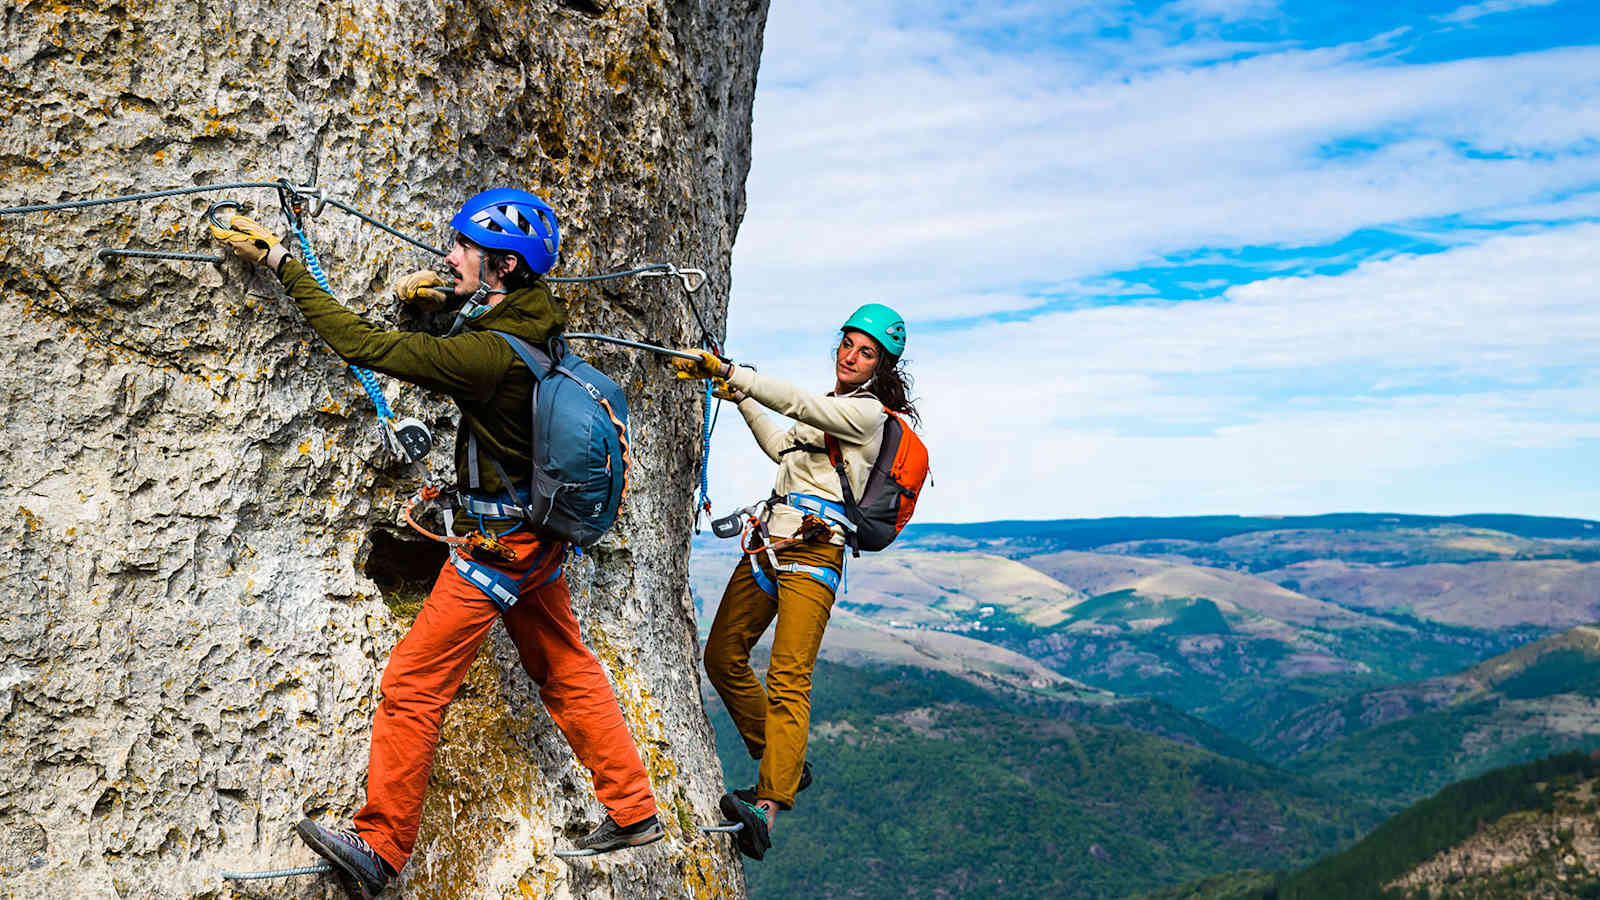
(530, 313)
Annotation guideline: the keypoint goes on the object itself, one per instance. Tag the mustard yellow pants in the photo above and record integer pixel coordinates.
(775, 720)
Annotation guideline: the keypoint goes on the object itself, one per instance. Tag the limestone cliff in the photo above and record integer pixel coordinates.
(203, 573)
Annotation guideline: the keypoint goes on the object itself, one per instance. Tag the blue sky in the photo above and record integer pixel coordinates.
(1203, 256)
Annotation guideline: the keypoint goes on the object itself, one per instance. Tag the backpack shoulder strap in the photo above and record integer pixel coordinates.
(540, 365)
(851, 509)
(537, 360)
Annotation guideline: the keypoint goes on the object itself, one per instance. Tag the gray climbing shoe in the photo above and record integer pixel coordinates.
(350, 854)
(611, 836)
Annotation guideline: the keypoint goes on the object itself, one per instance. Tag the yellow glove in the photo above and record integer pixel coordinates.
(722, 390)
(707, 366)
(415, 289)
(251, 242)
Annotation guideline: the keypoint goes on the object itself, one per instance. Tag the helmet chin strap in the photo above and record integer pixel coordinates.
(474, 306)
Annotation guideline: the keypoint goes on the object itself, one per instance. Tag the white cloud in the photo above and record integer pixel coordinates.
(1225, 10)
(1473, 11)
(917, 160)
(926, 181)
(1291, 394)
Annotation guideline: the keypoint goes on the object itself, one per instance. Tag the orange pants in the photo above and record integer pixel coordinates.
(775, 721)
(428, 665)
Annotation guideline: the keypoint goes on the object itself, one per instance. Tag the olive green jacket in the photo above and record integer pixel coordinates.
(476, 369)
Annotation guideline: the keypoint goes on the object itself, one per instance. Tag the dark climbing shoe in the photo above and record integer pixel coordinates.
(753, 839)
(350, 855)
(748, 794)
(611, 836)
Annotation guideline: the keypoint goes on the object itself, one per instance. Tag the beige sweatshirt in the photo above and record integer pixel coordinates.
(855, 419)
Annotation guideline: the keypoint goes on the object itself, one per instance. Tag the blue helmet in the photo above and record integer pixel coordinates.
(509, 219)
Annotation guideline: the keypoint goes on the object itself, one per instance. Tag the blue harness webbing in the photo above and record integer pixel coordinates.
(492, 507)
(502, 590)
(825, 509)
(834, 580)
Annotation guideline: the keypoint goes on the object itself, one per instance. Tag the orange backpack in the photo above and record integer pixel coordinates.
(892, 487)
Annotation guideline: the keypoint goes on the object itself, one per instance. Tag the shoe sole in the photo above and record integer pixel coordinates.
(348, 879)
(747, 839)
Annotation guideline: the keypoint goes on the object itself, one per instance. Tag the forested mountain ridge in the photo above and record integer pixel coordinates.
(1530, 671)
(1533, 701)
(1299, 644)
(930, 786)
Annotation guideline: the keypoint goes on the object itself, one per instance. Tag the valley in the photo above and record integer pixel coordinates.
(1363, 660)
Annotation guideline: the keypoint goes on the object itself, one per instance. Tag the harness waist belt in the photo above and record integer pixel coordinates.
(493, 507)
(827, 510)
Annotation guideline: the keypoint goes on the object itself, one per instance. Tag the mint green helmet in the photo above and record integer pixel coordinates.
(882, 324)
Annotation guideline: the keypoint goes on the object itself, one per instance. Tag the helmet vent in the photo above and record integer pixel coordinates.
(507, 216)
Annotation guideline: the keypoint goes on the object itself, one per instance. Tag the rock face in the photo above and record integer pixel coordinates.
(203, 568)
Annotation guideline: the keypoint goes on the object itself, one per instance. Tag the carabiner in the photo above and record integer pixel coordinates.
(690, 285)
(317, 194)
(211, 213)
(290, 201)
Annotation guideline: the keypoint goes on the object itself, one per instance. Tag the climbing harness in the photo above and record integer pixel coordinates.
(502, 590)
(479, 540)
(819, 517)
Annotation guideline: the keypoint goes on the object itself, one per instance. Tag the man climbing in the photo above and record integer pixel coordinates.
(506, 240)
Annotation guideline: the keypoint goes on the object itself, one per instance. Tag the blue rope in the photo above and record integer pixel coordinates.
(365, 376)
(705, 454)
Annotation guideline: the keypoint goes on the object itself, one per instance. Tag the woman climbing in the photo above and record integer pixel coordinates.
(797, 562)
(506, 240)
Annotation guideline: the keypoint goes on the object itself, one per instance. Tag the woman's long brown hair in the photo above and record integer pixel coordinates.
(890, 383)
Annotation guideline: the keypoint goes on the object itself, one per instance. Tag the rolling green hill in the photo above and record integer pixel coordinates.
(1501, 811)
(1531, 830)
(1402, 742)
(930, 786)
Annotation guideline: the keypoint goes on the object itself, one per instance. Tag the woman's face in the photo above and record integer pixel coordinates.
(856, 359)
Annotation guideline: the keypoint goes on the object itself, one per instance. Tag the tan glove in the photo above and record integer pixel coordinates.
(415, 290)
(251, 242)
(707, 366)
